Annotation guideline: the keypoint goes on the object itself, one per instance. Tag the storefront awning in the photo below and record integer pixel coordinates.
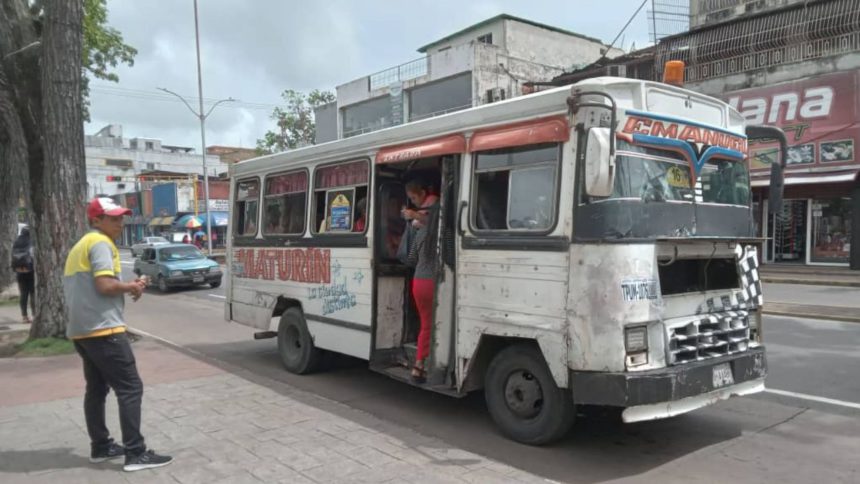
(811, 178)
(160, 221)
(219, 219)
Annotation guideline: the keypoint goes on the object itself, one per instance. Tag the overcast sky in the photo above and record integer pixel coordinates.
(253, 50)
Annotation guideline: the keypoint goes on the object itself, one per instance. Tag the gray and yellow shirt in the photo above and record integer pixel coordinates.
(92, 314)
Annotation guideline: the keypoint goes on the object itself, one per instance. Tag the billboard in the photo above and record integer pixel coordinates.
(818, 114)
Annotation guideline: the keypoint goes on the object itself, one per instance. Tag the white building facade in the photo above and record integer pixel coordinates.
(486, 62)
(114, 162)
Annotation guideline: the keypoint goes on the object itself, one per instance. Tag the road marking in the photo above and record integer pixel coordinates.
(127, 262)
(217, 296)
(163, 340)
(813, 398)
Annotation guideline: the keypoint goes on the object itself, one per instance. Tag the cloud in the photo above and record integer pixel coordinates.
(253, 50)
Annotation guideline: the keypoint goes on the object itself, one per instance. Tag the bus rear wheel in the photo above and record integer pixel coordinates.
(524, 400)
(295, 345)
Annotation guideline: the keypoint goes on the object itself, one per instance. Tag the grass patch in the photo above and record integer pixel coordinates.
(45, 347)
(9, 302)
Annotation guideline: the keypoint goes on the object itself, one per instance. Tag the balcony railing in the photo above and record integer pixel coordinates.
(403, 72)
(787, 36)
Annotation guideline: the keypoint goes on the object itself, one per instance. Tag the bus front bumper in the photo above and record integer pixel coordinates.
(670, 391)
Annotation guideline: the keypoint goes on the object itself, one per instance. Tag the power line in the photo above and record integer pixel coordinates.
(622, 31)
(156, 96)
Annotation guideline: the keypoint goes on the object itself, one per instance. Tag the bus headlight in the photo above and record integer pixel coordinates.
(636, 345)
(636, 339)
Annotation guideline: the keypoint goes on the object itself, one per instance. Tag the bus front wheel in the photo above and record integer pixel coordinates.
(295, 345)
(524, 400)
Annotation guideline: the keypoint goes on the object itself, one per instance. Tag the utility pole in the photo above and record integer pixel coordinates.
(202, 117)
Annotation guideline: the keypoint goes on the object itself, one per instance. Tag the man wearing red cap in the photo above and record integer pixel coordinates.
(95, 296)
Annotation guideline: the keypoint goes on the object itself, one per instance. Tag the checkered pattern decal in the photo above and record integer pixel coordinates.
(748, 270)
(749, 296)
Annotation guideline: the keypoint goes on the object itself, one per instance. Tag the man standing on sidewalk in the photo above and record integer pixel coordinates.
(95, 299)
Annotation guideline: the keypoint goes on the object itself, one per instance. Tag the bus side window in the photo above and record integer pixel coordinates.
(516, 188)
(337, 190)
(247, 202)
(285, 202)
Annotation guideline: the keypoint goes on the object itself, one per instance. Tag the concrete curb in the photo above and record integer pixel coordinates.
(810, 315)
(809, 282)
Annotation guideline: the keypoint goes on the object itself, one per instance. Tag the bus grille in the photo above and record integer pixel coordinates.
(710, 336)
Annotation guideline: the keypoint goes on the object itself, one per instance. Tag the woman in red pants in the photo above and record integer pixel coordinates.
(421, 254)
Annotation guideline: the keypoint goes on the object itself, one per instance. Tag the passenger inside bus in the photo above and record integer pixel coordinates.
(393, 224)
(273, 218)
(360, 216)
(421, 255)
(492, 201)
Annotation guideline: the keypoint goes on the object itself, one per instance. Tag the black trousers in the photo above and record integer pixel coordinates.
(27, 288)
(109, 363)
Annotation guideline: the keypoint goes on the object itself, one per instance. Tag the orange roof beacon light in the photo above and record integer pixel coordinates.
(673, 73)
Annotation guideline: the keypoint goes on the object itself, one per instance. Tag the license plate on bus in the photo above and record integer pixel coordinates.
(722, 375)
(196, 278)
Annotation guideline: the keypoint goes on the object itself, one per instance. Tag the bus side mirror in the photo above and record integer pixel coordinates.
(777, 169)
(599, 162)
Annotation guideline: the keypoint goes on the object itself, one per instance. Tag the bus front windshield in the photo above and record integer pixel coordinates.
(656, 175)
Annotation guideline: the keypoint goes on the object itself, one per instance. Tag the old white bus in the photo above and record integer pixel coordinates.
(594, 248)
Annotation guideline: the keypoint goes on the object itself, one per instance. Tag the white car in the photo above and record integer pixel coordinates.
(147, 243)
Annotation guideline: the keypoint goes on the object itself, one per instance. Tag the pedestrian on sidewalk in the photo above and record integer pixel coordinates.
(95, 296)
(22, 264)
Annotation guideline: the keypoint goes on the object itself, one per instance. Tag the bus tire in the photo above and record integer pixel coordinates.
(295, 345)
(524, 400)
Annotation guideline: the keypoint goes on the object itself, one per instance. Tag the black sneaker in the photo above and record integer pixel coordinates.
(113, 451)
(147, 460)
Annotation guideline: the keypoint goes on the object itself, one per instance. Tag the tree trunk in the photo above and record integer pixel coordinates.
(58, 183)
(19, 112)
(13, 169)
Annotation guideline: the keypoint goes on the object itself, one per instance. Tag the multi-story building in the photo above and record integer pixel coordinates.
(790, 63)
(486, 62)
(114, 162)
(709, 12)
(131, 169)
(231, 154)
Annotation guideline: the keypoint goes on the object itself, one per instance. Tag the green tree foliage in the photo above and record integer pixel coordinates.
(295, 123)
(104, 48)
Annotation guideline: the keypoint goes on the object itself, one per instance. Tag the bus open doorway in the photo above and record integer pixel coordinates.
(397, 322)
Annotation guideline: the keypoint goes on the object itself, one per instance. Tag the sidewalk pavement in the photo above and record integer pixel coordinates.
(813, 301)
(810, 275)
(220, 427)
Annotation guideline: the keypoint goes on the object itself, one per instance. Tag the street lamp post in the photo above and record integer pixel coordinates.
(202, 117)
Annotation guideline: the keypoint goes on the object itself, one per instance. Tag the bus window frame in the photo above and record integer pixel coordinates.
(236, 200)
(263, 196)
(524, 233)
(361, 237)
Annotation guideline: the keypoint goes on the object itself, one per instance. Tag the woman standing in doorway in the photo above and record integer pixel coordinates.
(422, 256)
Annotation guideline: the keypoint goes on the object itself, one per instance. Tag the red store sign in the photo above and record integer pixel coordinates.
(819, 116)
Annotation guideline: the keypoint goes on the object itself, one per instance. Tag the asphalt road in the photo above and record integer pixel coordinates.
(808, 431)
